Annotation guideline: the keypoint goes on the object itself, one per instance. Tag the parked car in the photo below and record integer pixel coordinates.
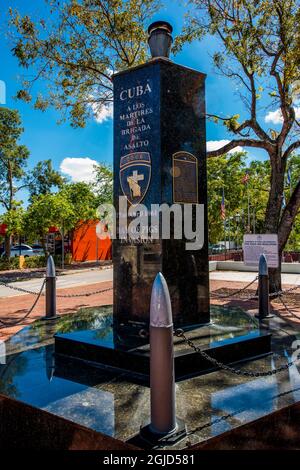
(23, 250)
(218, 248)
(38, 249)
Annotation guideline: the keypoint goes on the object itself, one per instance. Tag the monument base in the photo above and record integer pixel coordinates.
(232, 336)
(148, 439)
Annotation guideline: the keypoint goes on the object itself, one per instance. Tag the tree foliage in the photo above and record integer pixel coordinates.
(13, 157)
(245, 200)
(103, 185)
(14, 173)
(76, 47)
(14, 219)
(48, 210)
(73, 204)
(43, 178)
(83, 201)
(259, 50)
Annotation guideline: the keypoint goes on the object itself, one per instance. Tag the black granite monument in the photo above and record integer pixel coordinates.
(159, 158)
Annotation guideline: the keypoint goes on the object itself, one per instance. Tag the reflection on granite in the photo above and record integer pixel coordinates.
(41, 332)
(115, 405)
(230, 337)
(225, 326)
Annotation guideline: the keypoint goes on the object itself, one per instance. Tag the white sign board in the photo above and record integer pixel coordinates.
(256, 245)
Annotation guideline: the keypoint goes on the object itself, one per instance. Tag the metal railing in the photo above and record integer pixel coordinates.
(50, 295)
(5, 324)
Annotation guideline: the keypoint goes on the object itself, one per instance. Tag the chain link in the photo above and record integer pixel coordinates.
(280, 297)
(86, 294)
(63, 296)
(277, 293)
(291, 289)
(39, 294)
(18, 289)
(232, 294)
(180, 334)
(235, 413)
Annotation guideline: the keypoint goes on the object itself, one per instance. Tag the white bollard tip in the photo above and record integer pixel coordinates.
(263, 266)
(160, 307)
(50, 272)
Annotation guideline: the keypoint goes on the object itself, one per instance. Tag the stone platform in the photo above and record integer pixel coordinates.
(232, 336)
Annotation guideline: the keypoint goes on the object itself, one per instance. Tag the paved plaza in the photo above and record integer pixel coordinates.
(73, 287)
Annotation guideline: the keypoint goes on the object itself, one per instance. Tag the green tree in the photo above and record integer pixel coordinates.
(259, 49)
(83, 201)
(45, 211)
(76, 47)
(13, 160)
(43, 178)
(245, 199)
(224, 173)
(103, 185)
(74, 204)
(14, 219)
(14, 174)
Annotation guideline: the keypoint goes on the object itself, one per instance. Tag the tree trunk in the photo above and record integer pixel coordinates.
(7, 243)
(275, 277)
(45, 250)
(273, 213)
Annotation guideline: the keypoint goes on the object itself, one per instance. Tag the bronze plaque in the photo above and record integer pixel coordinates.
(185, 178)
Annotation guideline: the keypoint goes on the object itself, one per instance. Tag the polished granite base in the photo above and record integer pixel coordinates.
(232, 336)
(113, 403)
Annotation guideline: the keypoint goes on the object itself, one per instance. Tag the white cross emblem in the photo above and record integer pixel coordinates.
(133, 180)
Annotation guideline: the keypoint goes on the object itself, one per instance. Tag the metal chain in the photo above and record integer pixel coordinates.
(87, 294)
(180, 334)
(26, 291)
(7, 324)
(280, 295)
(277, 293)
(19, 289)
(291, 289)
(214, 294)
(235, 413)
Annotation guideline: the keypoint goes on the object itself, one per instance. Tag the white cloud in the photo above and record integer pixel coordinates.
(275, 117)
(102, 112)
(217, 144)
(79, 169)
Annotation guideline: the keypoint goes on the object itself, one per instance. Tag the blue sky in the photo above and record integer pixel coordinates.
(45, 139)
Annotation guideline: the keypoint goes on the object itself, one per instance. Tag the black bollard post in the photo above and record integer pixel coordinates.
(164, 427)
(263, 289)
(50, 290)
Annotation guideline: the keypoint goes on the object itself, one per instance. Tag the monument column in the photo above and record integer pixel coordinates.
(159, 158)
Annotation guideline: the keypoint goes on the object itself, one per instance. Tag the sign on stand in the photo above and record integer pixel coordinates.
(255, 245)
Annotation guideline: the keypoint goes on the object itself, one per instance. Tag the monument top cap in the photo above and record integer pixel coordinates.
(160, 25)
(160, 39)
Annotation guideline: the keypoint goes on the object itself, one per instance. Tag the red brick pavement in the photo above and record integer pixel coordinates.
(12, 308)
(292, 300)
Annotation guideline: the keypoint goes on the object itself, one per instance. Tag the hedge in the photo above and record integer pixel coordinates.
(6, 264)
(31, 262)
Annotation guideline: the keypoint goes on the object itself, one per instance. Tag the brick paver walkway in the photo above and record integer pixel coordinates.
(12, 308)
(292, 300)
